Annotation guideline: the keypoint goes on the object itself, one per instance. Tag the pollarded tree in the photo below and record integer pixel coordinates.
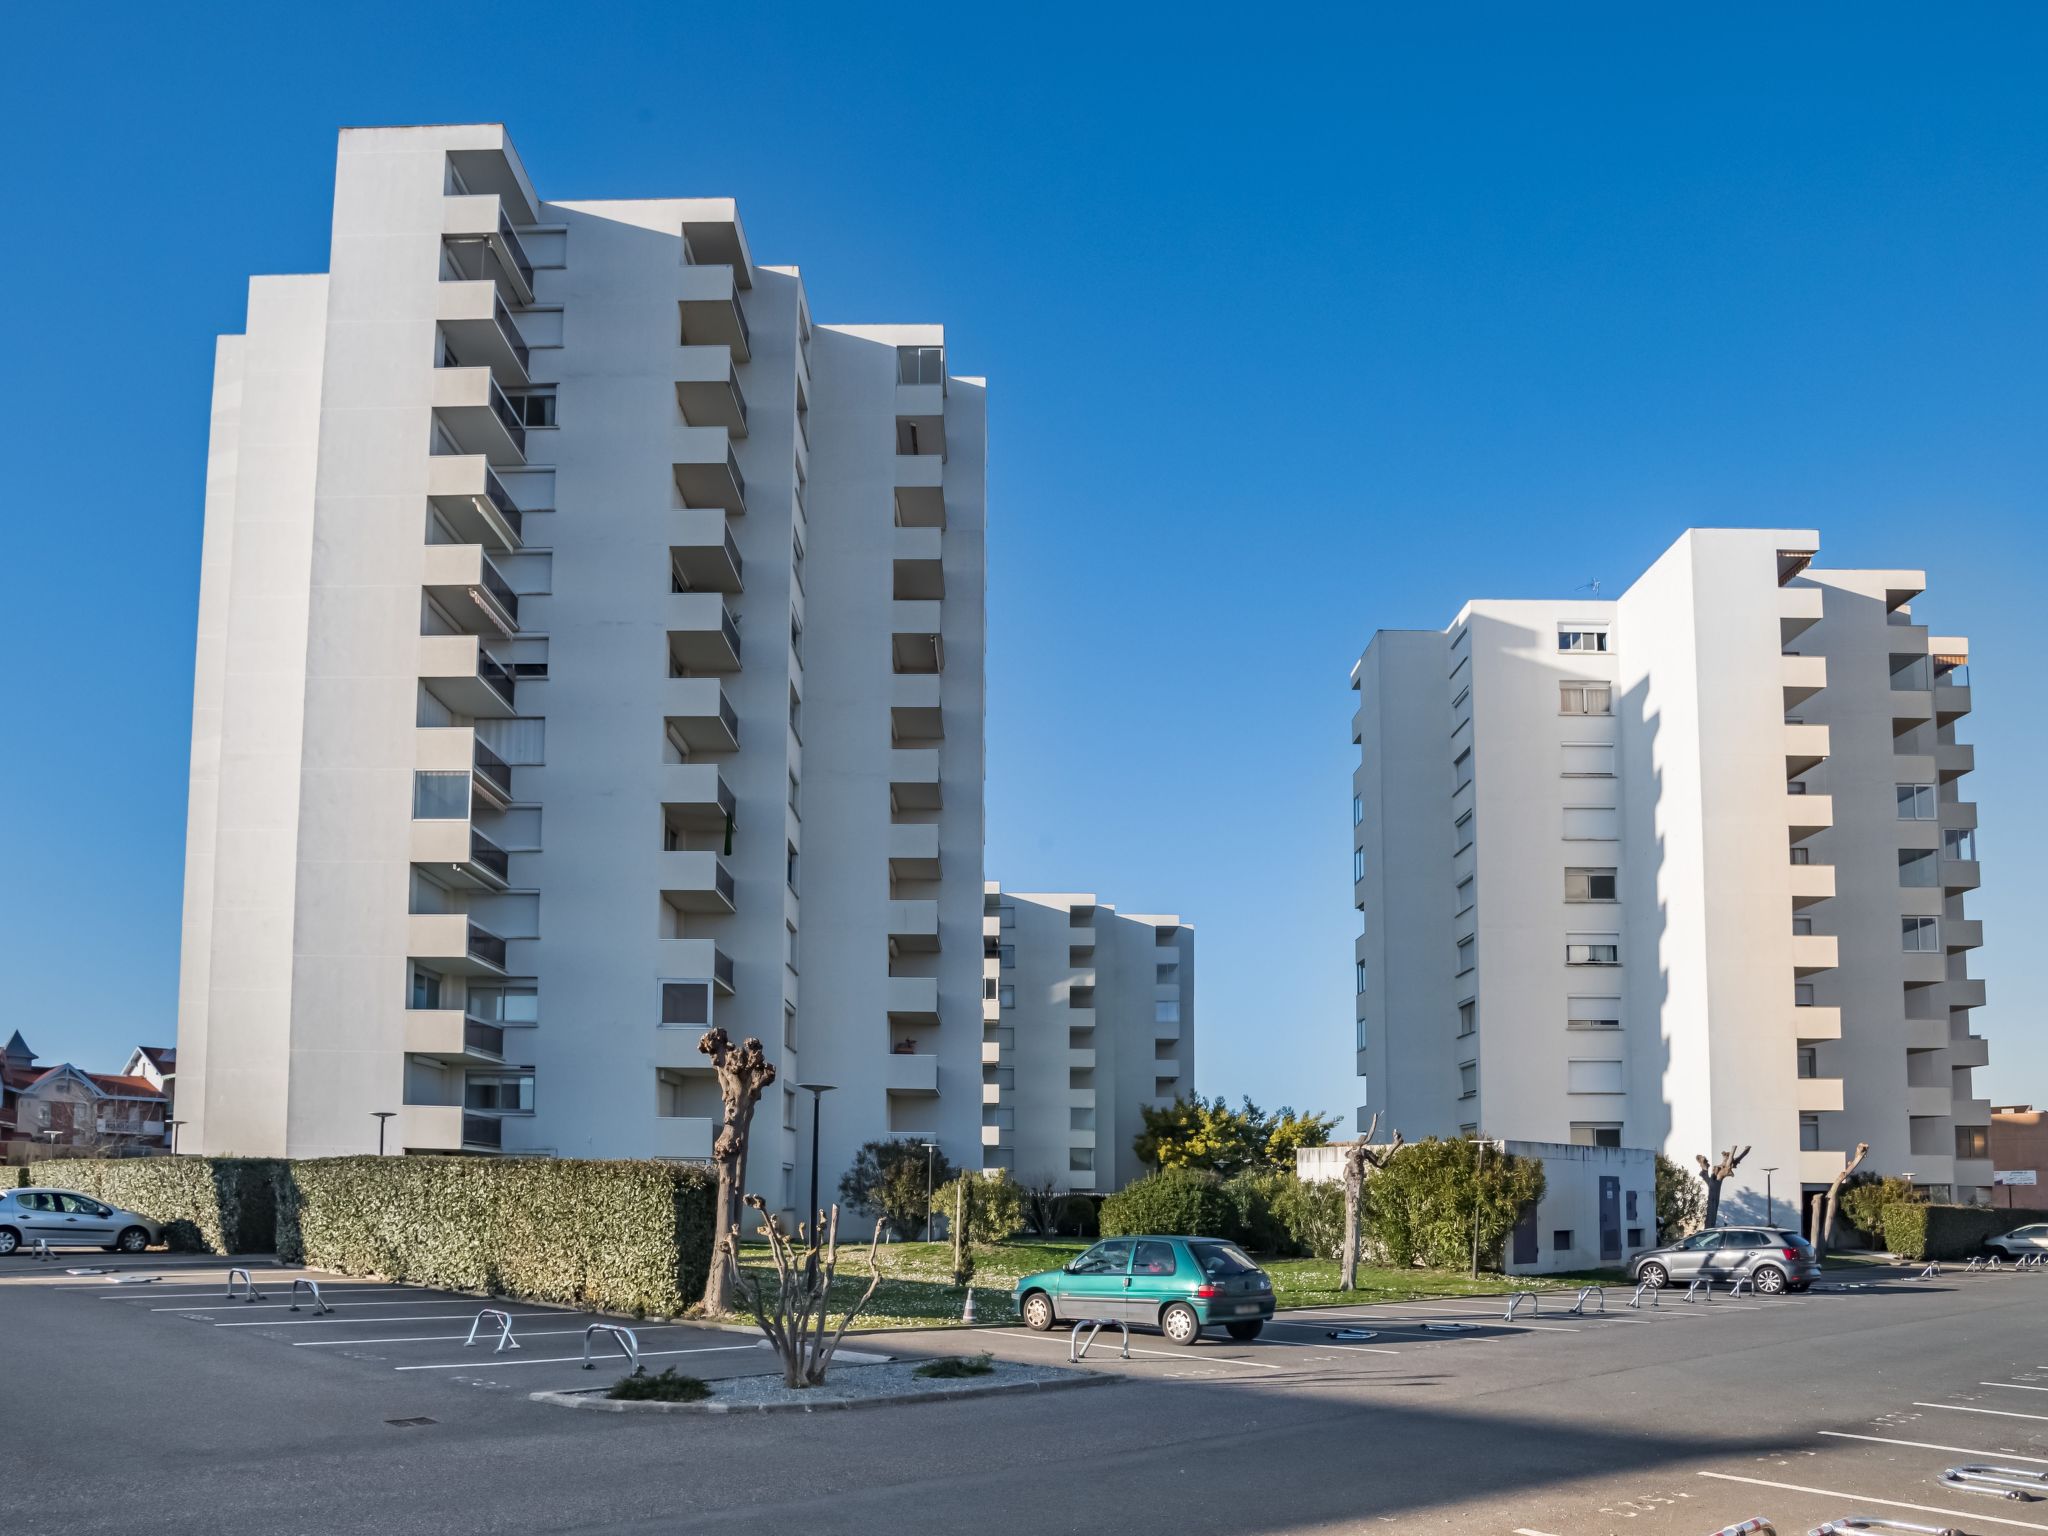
(792, 1314)
(1359, 1156)
(1714, 1175)
(1824, 1208)
(743, 1071)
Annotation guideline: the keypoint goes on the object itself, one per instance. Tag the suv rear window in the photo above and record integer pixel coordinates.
(1222, 1259)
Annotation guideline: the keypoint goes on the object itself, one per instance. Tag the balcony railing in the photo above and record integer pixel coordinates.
(721, 879)
(508, 418)
(500, 591)
(739, 480)
(487, 1038)
(495, 673)
(920, 365)
(501, 499)
(729, 627)
(494, 769)
(516, 249)
(482, 1131)
(728, 716)
(488, 855)
(511, 331)
(721, 965)
(486, 946)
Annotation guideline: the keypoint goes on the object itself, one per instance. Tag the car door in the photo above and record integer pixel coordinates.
(1689, 1260)
(1730, 1257)
(1157, 1277)
(1094, 1284)
(79, 1221)
(39, 1217)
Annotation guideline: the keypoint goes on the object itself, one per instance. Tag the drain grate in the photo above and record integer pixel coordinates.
(410, 1423)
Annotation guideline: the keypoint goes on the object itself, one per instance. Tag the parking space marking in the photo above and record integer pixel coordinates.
(336, 1288)
(443, 1338)
(645, 1354)
(1871, 1498)
(364, 1322)
(1998, 1413)
(1356, 1349)
(2012, 1386)
(1163, 1354)
(201, 1304)
(1922, 1445)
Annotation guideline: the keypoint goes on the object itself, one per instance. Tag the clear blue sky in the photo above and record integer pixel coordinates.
(1295, 328)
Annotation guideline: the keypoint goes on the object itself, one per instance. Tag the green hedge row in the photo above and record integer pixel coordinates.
(630, 1237)
(1264, 1210)
(207, 1204)
(1949, 1231)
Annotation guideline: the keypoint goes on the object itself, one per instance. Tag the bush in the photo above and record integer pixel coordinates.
(1681, 1201)
(995, 1205)
(207, 1204)
(1080, 1216)
(1420, 1208)
(1254, 1211)
(631, 1237)
(960, 1365)
(1917, 1231)
(1313, 1216)
(1865, 1195)
(668, 1387)
(891, 1180)
(1183, 1200)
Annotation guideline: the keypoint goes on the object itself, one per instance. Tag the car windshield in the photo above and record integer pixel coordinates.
(1221, 1259)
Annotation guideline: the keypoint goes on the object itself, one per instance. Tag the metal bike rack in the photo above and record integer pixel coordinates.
(41, 1250)
(252, 1294)
(1931, 1272)
(319, 1301)
(623, 1337)
(1578, 1308)
(1077, 1347)
(1992, 1262)
(1998, 1482)
(1878, 1523)
(1700, 1287)
(1759, 1525)
(1735, 1289)
(1976, 1261)
(1643, 1288)
(505, 1339)
(1515, 1300)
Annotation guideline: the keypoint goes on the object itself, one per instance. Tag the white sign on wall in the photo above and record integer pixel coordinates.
(2013, 1176)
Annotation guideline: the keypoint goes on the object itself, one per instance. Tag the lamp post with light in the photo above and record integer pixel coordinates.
(817, 1091)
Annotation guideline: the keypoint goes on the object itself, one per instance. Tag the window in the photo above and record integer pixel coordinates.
(686, 1002)
(440, 796)
(1809, 1133)
(1361, 1032)
(1582, 639)
(1463, 832)
(789, 865)
(1597, 1133)
(1461, 770)
(1593, 1077)
(1561, 1239)
(1916, 802)
(1006, 995)
(1357, 865)
(795, 809)
(509, 1093)
(1468, 954)
(1973, 1141)
(920, 365)
(1588, 760)
(1809, 1061)
(1919, 935)
(1802, 855)
(1153, 1259)
(1593, 1013)
(1359, 974)
(788, 1027)
(1802, 925)
(1006, 955)
(1468, 1016)
(1468, 1080)
(1006, 917)
(796, 636)
(503, 1005)
(1592, 949)
(1919, 866)
(1357, 810)
(1802, 994)
(1585, 699)
(536, 409)
(796, 714)
(1080, 1159)
(1960, 843)
(426, 988)
(789, 1109)
(1591, 824)
(1466, 888)
(1167, 1012)
(1635, 1235)
(1589, 885)
(789, 1186)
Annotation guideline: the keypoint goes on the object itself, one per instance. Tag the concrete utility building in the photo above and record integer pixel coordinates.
(1088, 1015)
(590, 651)
(1681, 870)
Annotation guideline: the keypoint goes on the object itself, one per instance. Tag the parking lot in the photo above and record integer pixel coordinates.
(1680, 1418)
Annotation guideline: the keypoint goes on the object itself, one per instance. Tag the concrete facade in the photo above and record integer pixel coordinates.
(1088, 1016)
(493, 812)
(1680, 870)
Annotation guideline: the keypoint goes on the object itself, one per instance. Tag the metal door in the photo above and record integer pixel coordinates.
(1610, 1219)
(1525, 1234)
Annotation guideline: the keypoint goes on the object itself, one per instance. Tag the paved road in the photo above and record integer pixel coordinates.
(164, 1407)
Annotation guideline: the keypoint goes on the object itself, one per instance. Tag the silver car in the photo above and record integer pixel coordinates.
(65, 1219)
(2020, 1243)
(1771, 1260)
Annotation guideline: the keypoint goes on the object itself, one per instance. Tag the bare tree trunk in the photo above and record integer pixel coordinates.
(1824, 1209)
(743, 1071)
(963, 1244)
(1714, 1174)
(793, 1316)
(1357, 1157)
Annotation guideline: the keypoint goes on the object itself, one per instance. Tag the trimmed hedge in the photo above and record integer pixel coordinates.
(1915, 1231)
(1186, 1201)
(630, 1237)
(207, 1204)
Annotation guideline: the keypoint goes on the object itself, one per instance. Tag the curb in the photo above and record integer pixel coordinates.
(891, 1400)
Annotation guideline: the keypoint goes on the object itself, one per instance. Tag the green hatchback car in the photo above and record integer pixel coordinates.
(1179, 1285)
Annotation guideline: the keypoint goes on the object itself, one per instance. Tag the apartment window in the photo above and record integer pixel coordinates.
(1585, 699)
(1802, 994)
(789, 1186)
(1006, 995)
(1468, 954)
(1591, 824)
(1809, 1061)
(1588, 760)
(1802, 925)
(789, 1109)
(1796, 787)
(1359, 975)
(440, 796)
(1593, 949)
(1080, 1117)
(788, 1027)
(1589, 885)
(1592, 1013)
(1080, 1159)
(1919, 935)
(1357, 865)
(920, 365)
(795, 809)
(796, 636)
(1162, 1013)
(1466, 896)
(1468, 1080)
(508, 1093)
(1582, 640)
(686, 1003)
(1916, 802)
(426, 988)
(1802, 855)
(1596, 1133)
(1592, 1077)
(1461, 770)
(1357, 810)
(1468, 1016)
(1561, 1239)
(504, 1005)
(1361, 1032)
(1809, 1133)
(1960, 844)
(1006, 956)
(796, 715)
(1006, 917)
(1462, 833)
(1919, 866)
(1973, 1141)
(535, 409)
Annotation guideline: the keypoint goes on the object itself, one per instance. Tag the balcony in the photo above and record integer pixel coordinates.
(913, 927)
(470, 589)
(991, 1010)
(685, 1137)
(1958, 875)
(906, 1073)
(477, 414)
(1817, 1023)
(490, 777)
(1806, 746)
(1928, 1035)
(991, 1053)
(915, 641)
(458, 671)
(1966, 992)
(702, 551)
(991, 925)
(914, 851)
(482, 243)
(468, 494)
(914, 778)
(1930, 1101)
(1812, 953)
(1808, 814)
(448, 1128)
(1923, 970)
(991, 1093)
(991, 1135)
(709, 300)
(1799, 609)
(1819, 1167)
(454, 945)
(1084, 1018)
(687, 959)
(699, 715)
(480, 329)
(1081, 935)
(920, 434)
(1954, 759)
(1951, 701)
(1819, 1095)
(1801, 677)
(1811, 883)
(707, 474)
(919, 573)
(1961, 933)
(708, 390)
(912, 999)
(460, 856)
(458, 748)
(695, 795)
(920, 472)
(1956, 815)
(703, 636)
(914, 712)
(920, 506)
(1969, 1051)
(696, 881)
(446, 1035)
(1081, 1059)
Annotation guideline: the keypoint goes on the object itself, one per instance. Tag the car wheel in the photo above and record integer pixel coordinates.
(9, 1240)
(1244, 1330)
(1038, 1315)
(1769, 1279)
(1180, 1324)
(133, 1240)
(1655, 1276)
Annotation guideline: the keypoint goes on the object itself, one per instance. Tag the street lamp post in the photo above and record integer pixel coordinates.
(1478, 1162)
(930, 1148)
(380, 1116)
(817, 1091)
(1770, 1206)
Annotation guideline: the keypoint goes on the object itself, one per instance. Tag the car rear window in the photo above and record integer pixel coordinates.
(1221, 1259)
(1794, 1240)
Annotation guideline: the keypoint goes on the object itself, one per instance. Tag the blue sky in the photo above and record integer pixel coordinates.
(1296, 327)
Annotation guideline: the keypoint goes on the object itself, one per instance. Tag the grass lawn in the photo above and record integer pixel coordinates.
(917, 1287)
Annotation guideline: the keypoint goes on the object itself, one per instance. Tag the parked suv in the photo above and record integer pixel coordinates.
(1179, 1285)
(1772, 1260)
(64, 1219)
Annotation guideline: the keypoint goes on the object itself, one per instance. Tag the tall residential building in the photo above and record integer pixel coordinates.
(590, 651)
(1681, 870)
(1088, 1016)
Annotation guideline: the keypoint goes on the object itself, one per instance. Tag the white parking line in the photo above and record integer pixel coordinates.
(1922, 1445)
(1327, 1343)
(281, 1288)
(201, 1304)
(357, 1322)
(645, 1354)
(1972, 1516)
(482, 1338)
(2012, 1386)
(1998, 1413)
(1164, 1354)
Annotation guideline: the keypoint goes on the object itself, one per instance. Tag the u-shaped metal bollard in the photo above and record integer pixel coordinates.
(623, 1337)
(505, 1339)
(1077, 1347)
(1998, 1482)
(1759, 1526)
(1848, 1523)
(1515, 1300)
(1578, 1308)
(248, 1284)
(1700, 1287)
(1642, 1287)
(1931, 1272)
(1735, 1286)
(319, 1302)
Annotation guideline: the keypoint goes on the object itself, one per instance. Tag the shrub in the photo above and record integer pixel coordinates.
(1079, 1217)
(995, 1205)
(630, 1237)
(1681, 1201)
(1919, 1231)
(207, 1204)
(1255, 1221)
(967, 1365)
(891, 1180)
(1313, 1215)
(1865, 1195)
(668, 1387)
(1421, 1206)
(1185, 1200)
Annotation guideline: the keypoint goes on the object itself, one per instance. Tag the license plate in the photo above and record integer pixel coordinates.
(1246, 1307)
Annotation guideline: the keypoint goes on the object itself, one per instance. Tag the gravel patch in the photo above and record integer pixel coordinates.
(849, 1386)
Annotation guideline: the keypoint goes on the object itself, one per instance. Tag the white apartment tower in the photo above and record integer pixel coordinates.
(1088, 1016)
(590, 650)
(1682, 870)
